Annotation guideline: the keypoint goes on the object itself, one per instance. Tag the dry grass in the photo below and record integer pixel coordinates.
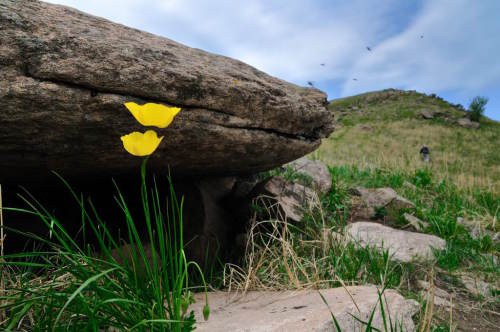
(271, 260)
(279, 259)
(282, 256)
(468, 158)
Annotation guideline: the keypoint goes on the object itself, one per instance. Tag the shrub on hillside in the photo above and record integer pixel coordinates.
(477, 107)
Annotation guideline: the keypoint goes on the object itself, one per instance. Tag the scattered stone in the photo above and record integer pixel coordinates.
(467, 123)
(418, 224)
(269, 311)
(441, 297)
(476, 285)
(402, 245)
(288, 199)
(478, 231)
(374, 200)
(440, 301)
(316, 170)
(426, 114)
(496, 238)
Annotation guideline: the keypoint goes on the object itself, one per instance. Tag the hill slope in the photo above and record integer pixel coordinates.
(385, 129)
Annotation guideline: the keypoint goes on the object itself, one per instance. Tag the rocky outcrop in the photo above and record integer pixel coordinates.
(305, 310)
(468, 123)
(427, 115)
(415, 222)
(65, 75)
(282, 199)
(315, 171)
(477, 230)
(402, 245)
(442, 298)
(375, 203)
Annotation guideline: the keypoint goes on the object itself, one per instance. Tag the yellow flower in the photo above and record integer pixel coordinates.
(151, 114)
(140, 144)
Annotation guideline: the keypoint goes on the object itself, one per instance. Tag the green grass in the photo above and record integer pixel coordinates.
(377, 145)
(440, 203)
(281, 255)
(71, 287)
(385, 131)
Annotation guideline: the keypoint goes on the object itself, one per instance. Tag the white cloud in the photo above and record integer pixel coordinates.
(290, 39)
(457, 52)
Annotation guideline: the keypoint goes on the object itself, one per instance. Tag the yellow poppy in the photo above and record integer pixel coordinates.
(139, 144)
(151, 114)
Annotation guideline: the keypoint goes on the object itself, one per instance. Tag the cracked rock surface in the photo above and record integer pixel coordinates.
(64, 76)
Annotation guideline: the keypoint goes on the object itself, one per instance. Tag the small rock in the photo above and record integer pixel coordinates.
(400, 203)
(426, 114)
(375, 197)
(291, 198)
(418, 224)
(476, 286)
(467, 123)
(373, 200)
(441, 297)
(316, 170)
(402, 245)
(477, 230)
(496, 237)
(438, 300)
(303, 310)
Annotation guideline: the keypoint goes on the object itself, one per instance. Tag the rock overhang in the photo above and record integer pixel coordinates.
(66, 75)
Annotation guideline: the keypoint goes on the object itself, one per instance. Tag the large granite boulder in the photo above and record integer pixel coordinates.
(64, 76)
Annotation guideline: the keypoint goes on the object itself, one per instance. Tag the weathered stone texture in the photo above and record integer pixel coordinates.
(64, 76)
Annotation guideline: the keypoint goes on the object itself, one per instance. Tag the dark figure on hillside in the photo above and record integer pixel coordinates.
(425, 153)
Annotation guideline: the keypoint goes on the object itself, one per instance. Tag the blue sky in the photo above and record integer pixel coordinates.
(447, 47)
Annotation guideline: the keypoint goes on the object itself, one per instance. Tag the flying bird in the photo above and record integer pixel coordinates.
(421, 36)
(369, 48)
(322, 64)
(310, 83)
(354, 79)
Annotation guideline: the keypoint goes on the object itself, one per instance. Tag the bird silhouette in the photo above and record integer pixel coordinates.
(421, 36)
(310, 83)
(322, 64)
(368, 48)
(354, 79)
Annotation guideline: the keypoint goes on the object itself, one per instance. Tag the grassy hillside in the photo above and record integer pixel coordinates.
(385, 130)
